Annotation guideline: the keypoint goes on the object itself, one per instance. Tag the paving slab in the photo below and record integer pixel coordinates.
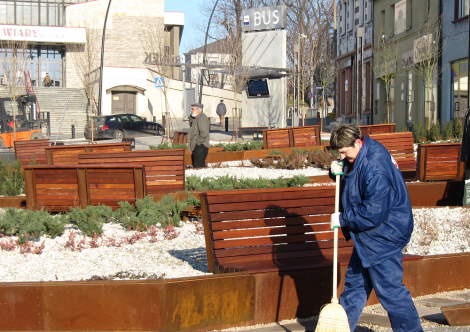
(375, 320)
(465, 296)
(437, 302)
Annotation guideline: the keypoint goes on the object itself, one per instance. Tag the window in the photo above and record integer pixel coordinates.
(461, 8)
(460, 88)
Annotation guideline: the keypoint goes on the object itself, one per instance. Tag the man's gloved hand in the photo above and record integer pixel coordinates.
(334, 220)
(337, 167)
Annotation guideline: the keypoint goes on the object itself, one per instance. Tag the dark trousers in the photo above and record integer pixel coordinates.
(199, 156)
(386, 278)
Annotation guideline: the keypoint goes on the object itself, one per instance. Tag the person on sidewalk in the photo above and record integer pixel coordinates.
(5, 80)
(199, 135)
(221, 111)
(47, 80)
(376, 213)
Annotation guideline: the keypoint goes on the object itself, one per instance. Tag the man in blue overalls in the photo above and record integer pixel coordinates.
(376, 212)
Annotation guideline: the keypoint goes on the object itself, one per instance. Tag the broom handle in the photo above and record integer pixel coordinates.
(334, 299)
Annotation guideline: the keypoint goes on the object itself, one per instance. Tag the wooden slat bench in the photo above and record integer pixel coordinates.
(378, 129)
(57, 188)
(440, 162)
(180, 137)
(267, 230)
(306, 136)
(68, 154)
(400, 146)
(32, 150)
(291, 137)
(164, 169)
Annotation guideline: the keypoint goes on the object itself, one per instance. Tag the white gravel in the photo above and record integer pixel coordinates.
(437, 231)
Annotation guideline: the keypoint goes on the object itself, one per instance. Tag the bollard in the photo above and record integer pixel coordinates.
(226, 124)
(73, 131)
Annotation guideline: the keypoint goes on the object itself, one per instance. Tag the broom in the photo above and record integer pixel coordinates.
(332, 317)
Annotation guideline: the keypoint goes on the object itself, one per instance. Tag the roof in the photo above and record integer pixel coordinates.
(216, 47)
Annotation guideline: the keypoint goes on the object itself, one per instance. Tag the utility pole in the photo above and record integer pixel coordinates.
(102, 59)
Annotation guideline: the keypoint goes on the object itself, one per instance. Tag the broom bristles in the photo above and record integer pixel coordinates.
(333, 318)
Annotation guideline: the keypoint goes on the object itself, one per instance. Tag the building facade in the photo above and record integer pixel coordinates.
(354, 61)
(454, 77)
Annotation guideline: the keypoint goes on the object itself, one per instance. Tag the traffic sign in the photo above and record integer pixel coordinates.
(310, 95)
(159, 82)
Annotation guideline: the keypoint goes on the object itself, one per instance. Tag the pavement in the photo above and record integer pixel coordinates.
(374, 318)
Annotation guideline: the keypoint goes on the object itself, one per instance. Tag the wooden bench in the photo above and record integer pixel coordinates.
(401, 147)
(68, 154)
(164, 169)
(57, 188)
(180, 137)
(440, 162)
(378, 129)
(267, 230)
(31, 151)
(291, 137)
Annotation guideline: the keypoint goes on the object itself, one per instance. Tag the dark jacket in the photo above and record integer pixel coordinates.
(464, 153)
(376, 205)
(199, 132)
(221, 109)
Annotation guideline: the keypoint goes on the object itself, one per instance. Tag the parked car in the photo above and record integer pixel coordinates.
(118, 126)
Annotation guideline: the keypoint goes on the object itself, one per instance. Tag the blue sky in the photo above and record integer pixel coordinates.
(191, 14)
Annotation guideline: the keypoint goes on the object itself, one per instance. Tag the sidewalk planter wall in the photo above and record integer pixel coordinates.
(440, 162)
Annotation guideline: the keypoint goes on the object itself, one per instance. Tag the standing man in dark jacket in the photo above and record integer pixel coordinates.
(465, 151)
(376, 212)
(199, 135)
(221, 111)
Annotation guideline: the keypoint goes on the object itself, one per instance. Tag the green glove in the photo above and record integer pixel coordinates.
(337, 167)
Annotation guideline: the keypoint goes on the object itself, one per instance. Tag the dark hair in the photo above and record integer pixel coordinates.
(345, 136)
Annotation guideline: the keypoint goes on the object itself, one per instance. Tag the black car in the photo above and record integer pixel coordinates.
(118, 126)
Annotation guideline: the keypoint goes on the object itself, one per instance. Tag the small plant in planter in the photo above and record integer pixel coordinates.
(419, 133)
(434, 132)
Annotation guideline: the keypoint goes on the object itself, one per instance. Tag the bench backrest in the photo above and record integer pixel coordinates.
(378, 129)
(164, 169)
(57, 188)
(439, 162)
(180, 137)
(68, 154)
(274, 225)
(400, 146)
(306, 136)
(32, 150)
(291, 137)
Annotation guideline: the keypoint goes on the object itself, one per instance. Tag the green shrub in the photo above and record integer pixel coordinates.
(90, 220)
(241, 146)
(167, 145)
(434, 132)
(146, 212)
(402, 129)
(11, 178)
(447, 131)
(194, 182)
(16, 222)
(276, 152)
(418, 132)
(458, 130)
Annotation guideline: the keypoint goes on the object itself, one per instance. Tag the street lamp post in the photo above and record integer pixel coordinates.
(301, 35)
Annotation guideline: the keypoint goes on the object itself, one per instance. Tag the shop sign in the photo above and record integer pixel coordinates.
(407, 59)
(264, 18)
(154, 59)
(43, 34)
(423, 48)
(400, 17)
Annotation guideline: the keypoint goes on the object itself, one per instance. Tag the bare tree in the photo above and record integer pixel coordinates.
(153, 42)
(86, 61)
(326, 74)
(385, 67)
(427, 50)
(13, 63)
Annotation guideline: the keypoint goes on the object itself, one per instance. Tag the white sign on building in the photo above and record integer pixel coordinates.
(43, 34)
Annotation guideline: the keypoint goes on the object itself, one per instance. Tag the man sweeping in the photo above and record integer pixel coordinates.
(376, 213)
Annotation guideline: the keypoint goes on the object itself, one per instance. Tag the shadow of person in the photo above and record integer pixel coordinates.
(302, 255)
